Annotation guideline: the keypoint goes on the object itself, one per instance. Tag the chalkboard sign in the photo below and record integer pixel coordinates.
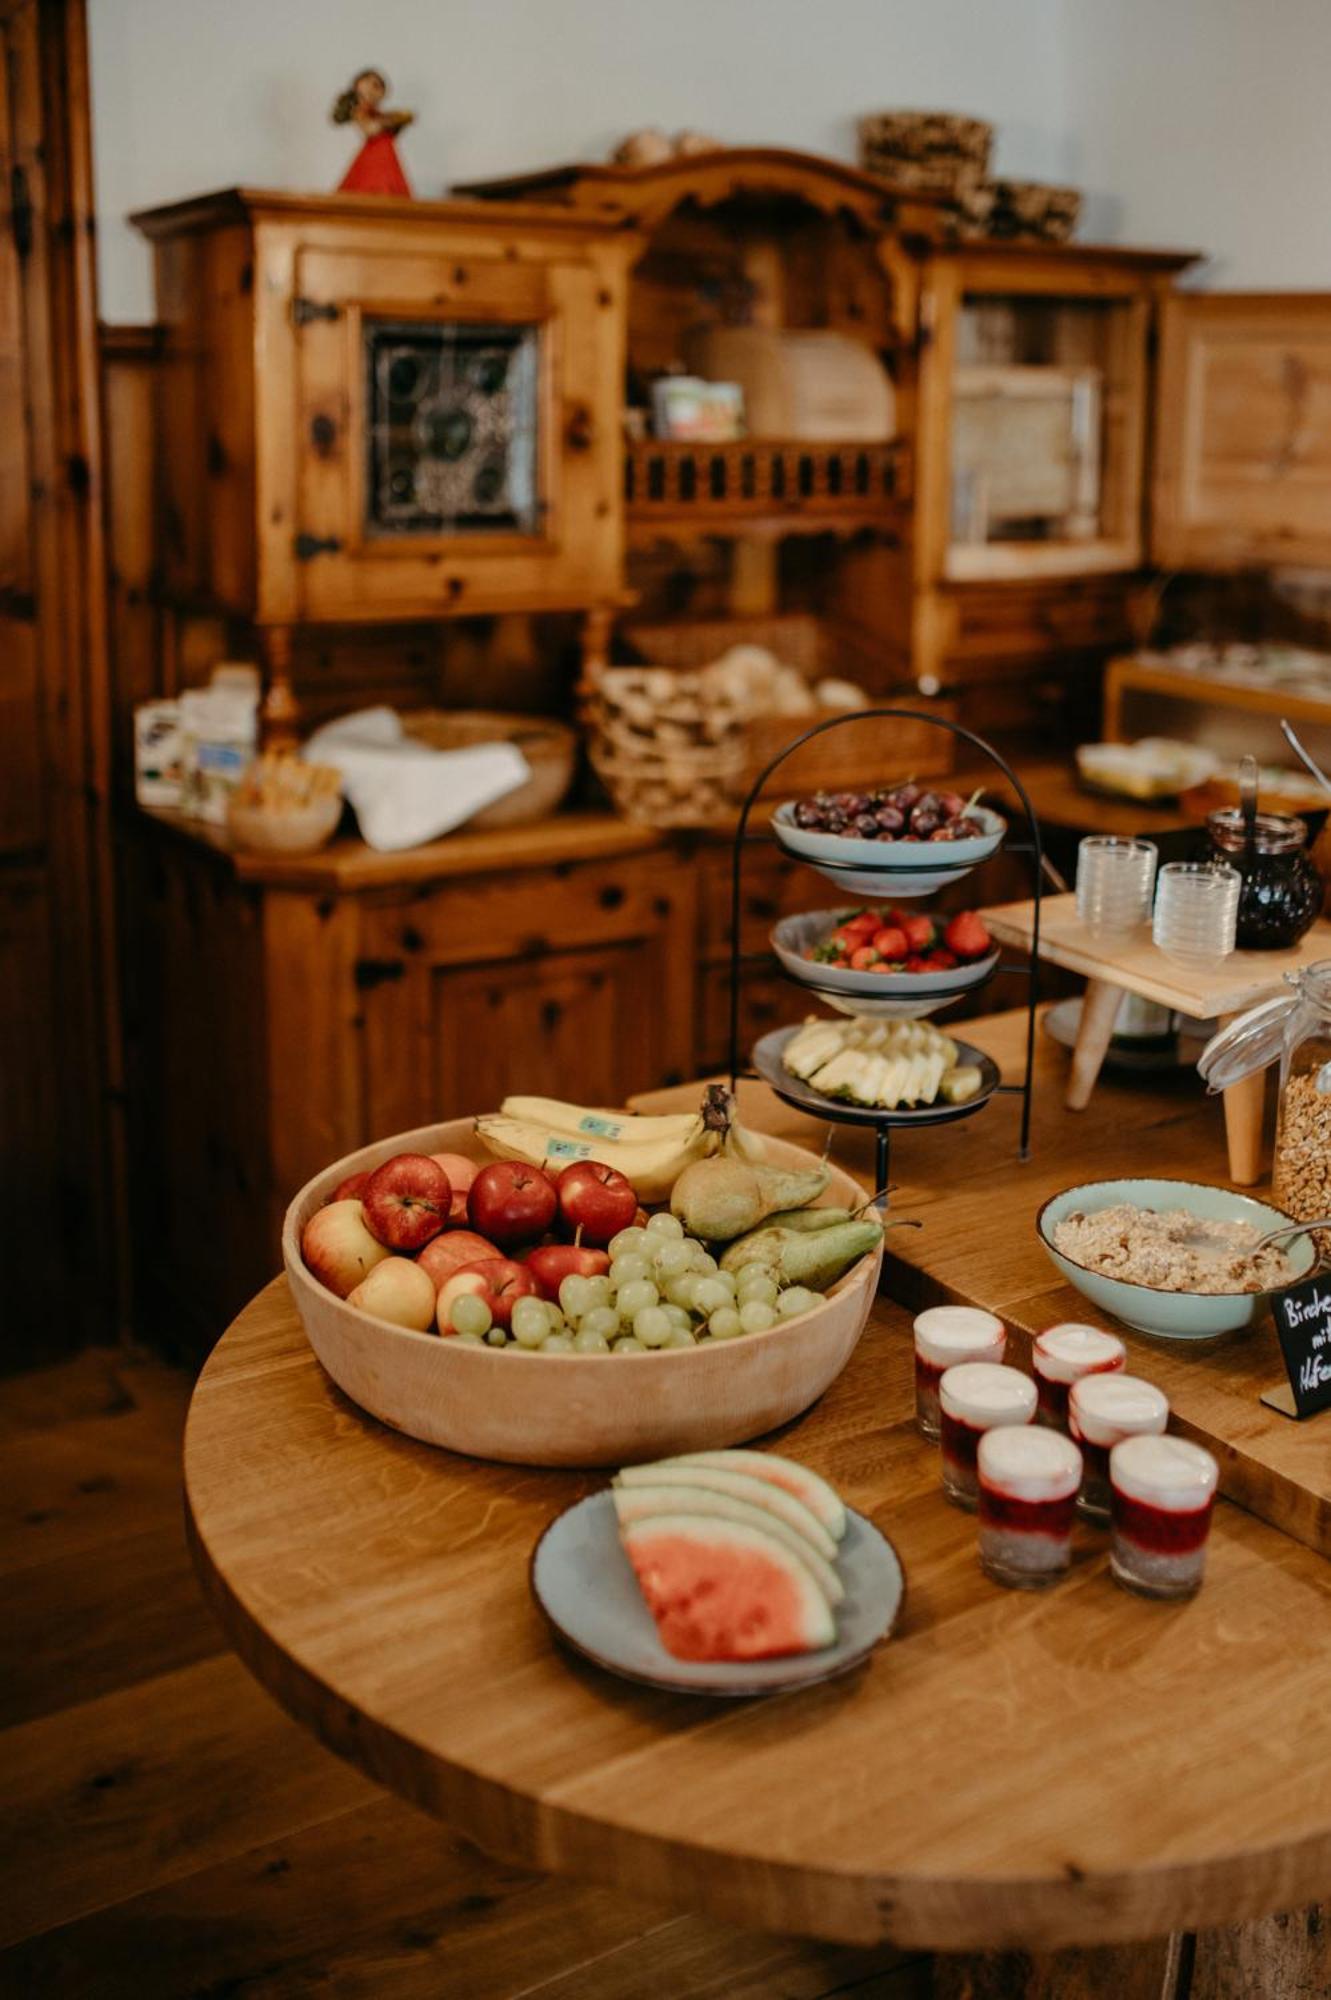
(1303, 1322)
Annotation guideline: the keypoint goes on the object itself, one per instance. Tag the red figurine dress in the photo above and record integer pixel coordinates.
(376, 169)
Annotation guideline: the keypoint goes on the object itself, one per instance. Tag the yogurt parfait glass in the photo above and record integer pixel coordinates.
(976, 1397)
(1102, 1411)
(1062, 1355)
(1028, 1479)
(1162, 1496)
(945, 1336)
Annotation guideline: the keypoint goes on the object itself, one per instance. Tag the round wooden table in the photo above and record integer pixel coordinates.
(1010, 1769)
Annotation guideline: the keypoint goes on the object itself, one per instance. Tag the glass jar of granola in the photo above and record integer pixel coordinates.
(1295, 1030)
(1301, 1178)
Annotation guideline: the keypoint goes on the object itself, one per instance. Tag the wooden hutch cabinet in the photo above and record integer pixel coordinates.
(375, 409)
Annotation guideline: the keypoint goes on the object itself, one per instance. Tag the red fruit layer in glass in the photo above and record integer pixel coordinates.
(1027, 1517)
(1160, 1530)
(1051, 1399)
(926, 1375)
(961, 1441)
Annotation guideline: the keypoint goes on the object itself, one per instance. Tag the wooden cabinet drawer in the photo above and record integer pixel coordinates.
(766, 1000)
(1081, 617)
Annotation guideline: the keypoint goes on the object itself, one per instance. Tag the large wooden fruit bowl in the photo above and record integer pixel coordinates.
(572, 1409)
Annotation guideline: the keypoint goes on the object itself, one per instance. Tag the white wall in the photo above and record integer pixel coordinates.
(1206, 125)
(1199, 124)
(190, 95)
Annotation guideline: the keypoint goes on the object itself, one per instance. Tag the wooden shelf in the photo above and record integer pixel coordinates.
(789, 486)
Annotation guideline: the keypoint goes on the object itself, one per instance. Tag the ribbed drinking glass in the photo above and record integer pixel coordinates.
(1115, 879)
(1197, 911)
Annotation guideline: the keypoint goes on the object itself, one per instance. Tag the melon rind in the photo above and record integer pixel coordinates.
(641, 1503)
(822, 1500)
(772, 1499)
(753, 1584)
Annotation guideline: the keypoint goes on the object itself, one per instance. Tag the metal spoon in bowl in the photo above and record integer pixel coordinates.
(1196, 1239)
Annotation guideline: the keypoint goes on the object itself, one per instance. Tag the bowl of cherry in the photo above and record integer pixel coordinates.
(901, 840)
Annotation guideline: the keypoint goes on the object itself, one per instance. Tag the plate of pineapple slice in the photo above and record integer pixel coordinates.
(870, 1069)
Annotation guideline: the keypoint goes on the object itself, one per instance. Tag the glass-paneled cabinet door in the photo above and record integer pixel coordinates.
(455, 437)
(1047, 433)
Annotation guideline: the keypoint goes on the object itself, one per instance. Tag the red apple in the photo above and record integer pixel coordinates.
(399, 1291)
(497, 1280)
(337, 1247)
(406, 1201)
(596, 1200)
(511, 1202)
(553, 1262)
(351, 1189)
(461, 1173)
(448, 1253)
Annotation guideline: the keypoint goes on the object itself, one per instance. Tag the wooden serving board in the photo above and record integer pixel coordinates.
(976, 1204)
(1137, 965)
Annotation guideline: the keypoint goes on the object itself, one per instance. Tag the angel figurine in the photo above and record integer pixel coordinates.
(376, 169)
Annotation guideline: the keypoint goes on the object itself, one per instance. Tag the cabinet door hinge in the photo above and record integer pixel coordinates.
(305, 310)
(20, 210)
(307, 546)
(377, 971)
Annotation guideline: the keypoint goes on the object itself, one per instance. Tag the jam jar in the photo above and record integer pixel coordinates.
(1282, 890)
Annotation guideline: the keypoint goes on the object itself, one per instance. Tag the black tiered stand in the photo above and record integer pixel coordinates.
(882, 1121)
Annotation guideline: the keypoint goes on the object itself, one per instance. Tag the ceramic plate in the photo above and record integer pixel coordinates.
(888, 868)
(839, 1110)
(582, 1581)
(893, 995)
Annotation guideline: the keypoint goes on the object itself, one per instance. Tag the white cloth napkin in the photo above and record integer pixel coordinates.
(403, 792)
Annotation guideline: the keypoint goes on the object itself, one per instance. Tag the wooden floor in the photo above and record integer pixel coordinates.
(166, 1831)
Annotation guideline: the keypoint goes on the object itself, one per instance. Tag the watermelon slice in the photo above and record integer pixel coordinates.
(740, 1486)
(642, 1503)
(821, 1499)
(720, 1590)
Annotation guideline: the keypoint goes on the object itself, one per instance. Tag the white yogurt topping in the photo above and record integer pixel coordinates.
(1166, 1472)
(983, 1393)
(945, 1335)
(1066, 1352)
(1104, 1408)
(1028, 1462)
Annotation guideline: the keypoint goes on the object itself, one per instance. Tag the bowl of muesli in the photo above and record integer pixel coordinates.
(1173, 1258)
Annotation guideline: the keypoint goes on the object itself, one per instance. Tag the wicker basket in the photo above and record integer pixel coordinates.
(550, 748)
(871, 754)
(1035, 211)
(666, 748)
(936, 152)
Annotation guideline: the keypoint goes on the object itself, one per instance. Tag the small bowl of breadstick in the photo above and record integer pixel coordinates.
(285, 806)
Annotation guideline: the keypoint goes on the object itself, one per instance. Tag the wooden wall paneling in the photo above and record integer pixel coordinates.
(50, 345)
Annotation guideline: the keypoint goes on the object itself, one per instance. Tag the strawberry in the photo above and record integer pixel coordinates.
(864, 921)
(864, 959)
(940, 961)
(890, 942)
(921, 931)
(966, 935)
(915, 965)
(846, 939)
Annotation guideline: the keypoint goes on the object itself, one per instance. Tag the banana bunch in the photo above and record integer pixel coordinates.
(651, 1153)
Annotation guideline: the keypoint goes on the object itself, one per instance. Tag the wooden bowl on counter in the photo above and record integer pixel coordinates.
(573, 1409)
(550, 747)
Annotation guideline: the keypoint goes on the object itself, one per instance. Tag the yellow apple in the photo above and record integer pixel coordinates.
(338, 1248)
(399, 1291)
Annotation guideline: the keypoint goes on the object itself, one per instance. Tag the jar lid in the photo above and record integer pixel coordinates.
(1257, 1039)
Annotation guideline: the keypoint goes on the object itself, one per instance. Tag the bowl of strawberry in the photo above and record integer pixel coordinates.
(900, 840)
(896, 962)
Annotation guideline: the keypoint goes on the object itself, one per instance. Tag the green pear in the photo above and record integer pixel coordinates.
(812, 1257)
